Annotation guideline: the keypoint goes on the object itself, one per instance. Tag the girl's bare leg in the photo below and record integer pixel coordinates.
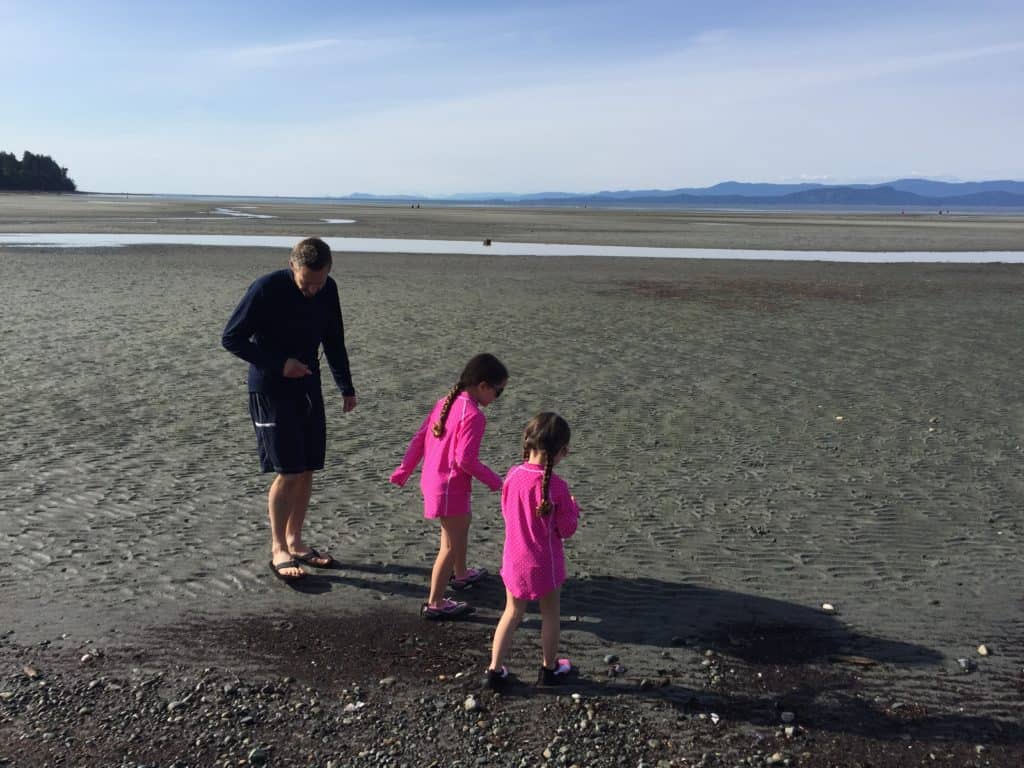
(550, 627)
(513, 614)
(459, 566)
(454, 533)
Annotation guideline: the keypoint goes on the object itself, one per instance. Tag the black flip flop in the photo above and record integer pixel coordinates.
(308, 557)
(275, 568)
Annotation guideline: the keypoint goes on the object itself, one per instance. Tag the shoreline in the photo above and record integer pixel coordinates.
(644, 228)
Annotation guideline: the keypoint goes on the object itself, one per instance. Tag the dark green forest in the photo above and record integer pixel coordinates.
(33, 173)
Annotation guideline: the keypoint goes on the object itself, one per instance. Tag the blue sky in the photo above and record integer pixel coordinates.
(443, 96)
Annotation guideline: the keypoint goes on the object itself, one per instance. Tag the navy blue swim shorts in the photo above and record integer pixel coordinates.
(291, 432)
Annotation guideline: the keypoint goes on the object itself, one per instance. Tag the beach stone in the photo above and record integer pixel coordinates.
(787, 717)
(983, 650)
(967, 665)
(610, 658)
(828, 608)
(775, 759)
(471, 704)
(388, 681)
(258, 756)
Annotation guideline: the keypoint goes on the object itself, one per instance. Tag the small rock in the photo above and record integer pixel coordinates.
(828, 608)
(967, 665)
(30, 672)
(258, 756)
(983, 650)
(790, 731)
(471, 704)
(715, 718)
(86, 658)
(388, 681)
(611, 658)
(980, 749)
(775, 759)
(787, 717)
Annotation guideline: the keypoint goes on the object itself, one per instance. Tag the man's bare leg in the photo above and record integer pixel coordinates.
(296, 545)
(288, 494)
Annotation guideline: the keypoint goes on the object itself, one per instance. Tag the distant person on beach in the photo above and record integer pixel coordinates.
(278, 328)
(539, 513)
(448, 442)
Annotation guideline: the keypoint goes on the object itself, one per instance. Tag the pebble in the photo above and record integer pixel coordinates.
(387, 681)
(775, 759)
(471, 704)
(790, 731)
(787, 717)
(828, 608)
(967, 665)
(258, 757)
(983, 650)
(610, 658)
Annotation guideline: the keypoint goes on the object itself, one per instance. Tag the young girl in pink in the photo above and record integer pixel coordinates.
(539, 513)
(448, 442)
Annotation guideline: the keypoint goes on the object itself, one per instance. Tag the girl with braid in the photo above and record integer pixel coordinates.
(539, 512)
(448, 442)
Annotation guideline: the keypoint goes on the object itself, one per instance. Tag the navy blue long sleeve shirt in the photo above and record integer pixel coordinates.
(274, 321)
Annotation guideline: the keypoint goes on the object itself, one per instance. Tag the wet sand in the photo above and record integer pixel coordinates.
(751, 440)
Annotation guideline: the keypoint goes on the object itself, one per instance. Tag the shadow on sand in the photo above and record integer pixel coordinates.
(791, 657)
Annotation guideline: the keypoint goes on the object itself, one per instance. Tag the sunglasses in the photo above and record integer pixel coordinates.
(497, 391)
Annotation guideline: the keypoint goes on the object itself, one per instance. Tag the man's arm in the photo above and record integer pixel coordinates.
(243, 324)
(334, 346)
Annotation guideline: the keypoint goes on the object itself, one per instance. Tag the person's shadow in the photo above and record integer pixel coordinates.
(815, 656)
(646, 611)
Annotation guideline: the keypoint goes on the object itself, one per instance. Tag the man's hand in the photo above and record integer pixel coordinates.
(295, 369)
(350, 403)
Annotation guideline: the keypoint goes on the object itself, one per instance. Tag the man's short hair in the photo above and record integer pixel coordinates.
(311, 252)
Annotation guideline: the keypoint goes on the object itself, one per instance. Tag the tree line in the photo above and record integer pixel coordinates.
(33, 173)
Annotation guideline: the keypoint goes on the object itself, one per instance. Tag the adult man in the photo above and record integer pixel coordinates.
(278, 328)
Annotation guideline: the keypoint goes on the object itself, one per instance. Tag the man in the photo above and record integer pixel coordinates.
(278, 329)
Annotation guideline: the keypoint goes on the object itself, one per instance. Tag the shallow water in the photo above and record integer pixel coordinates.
(497, 248)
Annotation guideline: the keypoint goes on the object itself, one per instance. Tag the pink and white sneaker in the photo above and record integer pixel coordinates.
(471, 577)
(446, 609)
(555, 676)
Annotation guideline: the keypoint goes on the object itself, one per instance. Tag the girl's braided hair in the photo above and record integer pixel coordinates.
(481, 368)
(547, 433)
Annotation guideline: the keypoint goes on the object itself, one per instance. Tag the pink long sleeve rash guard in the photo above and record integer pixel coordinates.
(533, 562)
(451, 461)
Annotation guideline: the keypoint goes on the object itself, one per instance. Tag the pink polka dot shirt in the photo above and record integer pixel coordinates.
(533, 562)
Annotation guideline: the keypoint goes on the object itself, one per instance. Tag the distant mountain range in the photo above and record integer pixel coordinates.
(910, 193)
